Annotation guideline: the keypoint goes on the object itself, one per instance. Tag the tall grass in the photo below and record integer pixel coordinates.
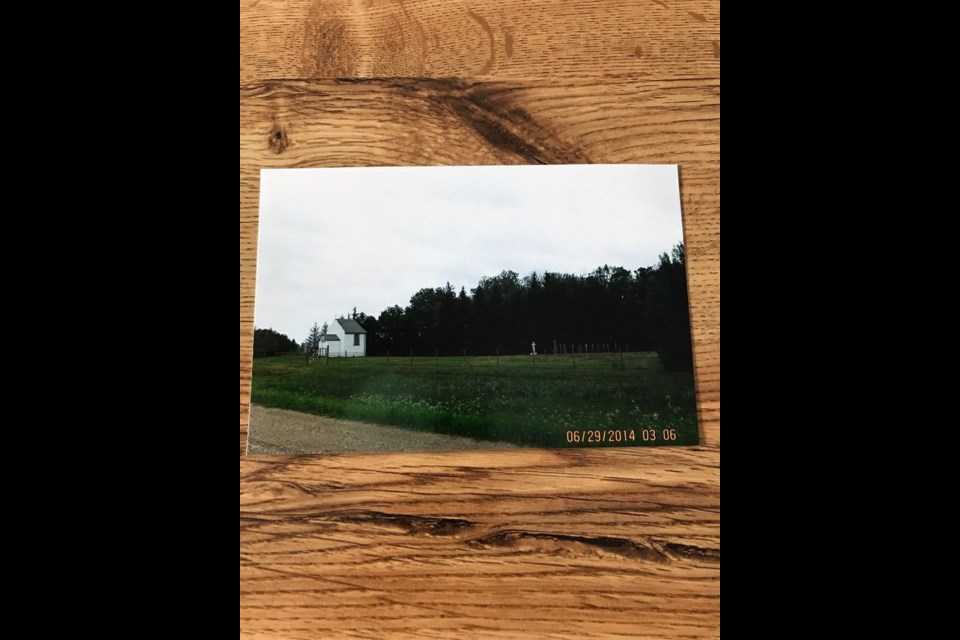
(521, 401)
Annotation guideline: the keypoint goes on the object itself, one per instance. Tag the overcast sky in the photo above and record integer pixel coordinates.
(334, 239)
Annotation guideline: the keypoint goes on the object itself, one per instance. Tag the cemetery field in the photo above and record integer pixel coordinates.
(549, 401)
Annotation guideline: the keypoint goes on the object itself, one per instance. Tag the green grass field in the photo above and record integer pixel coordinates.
(554, 401)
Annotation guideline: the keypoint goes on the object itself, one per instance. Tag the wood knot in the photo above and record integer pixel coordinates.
(278, 140)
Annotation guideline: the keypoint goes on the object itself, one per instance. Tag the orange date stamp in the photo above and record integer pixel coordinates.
(602, 436)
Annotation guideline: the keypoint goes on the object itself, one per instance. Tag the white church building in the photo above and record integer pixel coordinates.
(345, 338)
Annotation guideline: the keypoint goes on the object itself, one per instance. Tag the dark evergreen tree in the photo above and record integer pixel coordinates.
(312, 342)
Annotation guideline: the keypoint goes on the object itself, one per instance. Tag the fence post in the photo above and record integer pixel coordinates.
(498, 355)
(622, 366)
(464, 357)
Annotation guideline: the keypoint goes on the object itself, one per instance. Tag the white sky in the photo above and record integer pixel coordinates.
(334, 239)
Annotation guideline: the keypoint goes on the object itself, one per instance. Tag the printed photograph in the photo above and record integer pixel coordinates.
(454, 308)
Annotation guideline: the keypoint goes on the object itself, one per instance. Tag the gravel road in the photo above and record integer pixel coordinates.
(280, 431)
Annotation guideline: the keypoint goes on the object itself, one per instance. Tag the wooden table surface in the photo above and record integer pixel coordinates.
(510, 544)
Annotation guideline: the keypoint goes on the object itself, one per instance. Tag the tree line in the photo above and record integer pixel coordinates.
(611, 308)
(267, 342)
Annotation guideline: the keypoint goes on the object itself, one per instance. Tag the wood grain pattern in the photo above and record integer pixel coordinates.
(505, 544)
(572, 543)
(479, 39)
